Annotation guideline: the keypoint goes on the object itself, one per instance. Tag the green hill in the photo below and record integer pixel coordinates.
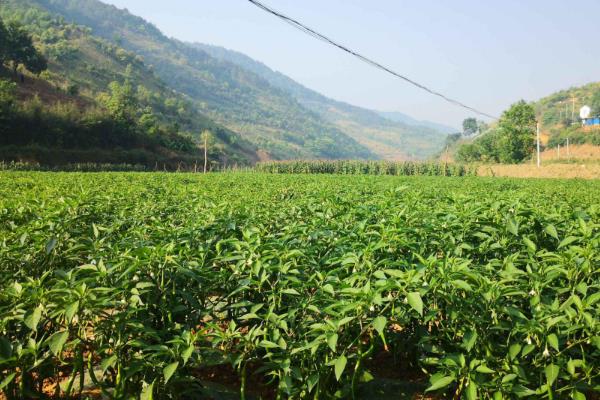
(236, 98)
(559, 115)
(384, 135)
(81, 68)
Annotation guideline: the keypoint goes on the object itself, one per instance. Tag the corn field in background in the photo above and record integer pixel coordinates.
(398, 168)
(156, 285)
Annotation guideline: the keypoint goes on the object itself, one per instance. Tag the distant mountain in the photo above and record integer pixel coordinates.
(232, 96)
(81, 68)
(385, 136)
(258, 113)
(407, 119)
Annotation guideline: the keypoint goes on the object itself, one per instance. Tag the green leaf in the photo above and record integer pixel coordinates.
(169, 370)
(551, 230)
(268, 344)
(312, 381)
(71, 310)
(187, 353)
(339, 366)
(415, 301)
(57, 341)
(147, 392)
(577, 395)
(527, 349)
(512, 226)
(7, 380)
(462, 285)
(567, 241)
(471, 390)
(553, 341)
(328, 289)
(32, 318)
(332, 341)
(551, 372)
(291, 291)
(108, 362)
(514, 350)
(469, 340)
(379, 324)
(438, 382)
(484, 369)
(51, 244)
(530, 245)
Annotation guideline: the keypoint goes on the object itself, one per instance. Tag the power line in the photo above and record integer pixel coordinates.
(298, 25)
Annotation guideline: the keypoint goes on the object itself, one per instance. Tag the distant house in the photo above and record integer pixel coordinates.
(587, 121)
(591, 123)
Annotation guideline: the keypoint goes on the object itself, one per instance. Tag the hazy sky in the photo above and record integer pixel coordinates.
(487, 54)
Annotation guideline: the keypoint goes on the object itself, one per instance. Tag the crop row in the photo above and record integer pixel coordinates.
(352, 167)
(138, 284)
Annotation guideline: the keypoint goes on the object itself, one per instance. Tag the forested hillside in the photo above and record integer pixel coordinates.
(97, 102)
(386, 136)
(408, 120)
(234, 97)
(559, 114)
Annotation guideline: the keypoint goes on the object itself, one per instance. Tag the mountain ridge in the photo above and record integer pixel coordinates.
(238, 99)
(386, 137)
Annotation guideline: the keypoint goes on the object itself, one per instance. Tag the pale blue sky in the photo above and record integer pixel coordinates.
(487, 54)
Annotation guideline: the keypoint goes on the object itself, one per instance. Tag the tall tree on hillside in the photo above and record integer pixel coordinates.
(516, 133)
(7, 97)
(3, 42)
(17, 47)
(121, 102)
(595, 104)
(470, 126)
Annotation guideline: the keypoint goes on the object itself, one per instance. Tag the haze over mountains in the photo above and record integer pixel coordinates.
(279, 117)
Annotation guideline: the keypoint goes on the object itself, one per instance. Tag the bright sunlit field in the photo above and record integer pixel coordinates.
(298, 286)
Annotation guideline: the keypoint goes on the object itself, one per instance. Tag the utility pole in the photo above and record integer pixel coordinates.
(558, 151)
(205, 152)
(538, 143)
(568, 150)
(573, 110)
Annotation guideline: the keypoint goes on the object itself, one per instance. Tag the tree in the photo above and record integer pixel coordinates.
(7, 98)
(482, 127)
(3, 42)
(516, 133)
(121, 102)
(470, 126)
(595, 104)
(17, 47)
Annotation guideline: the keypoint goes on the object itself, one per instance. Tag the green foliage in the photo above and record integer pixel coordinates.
(302, 283)
(384, 135)
(595, 104)
(122, 104)
(511, 141)
(516, 133)
(575, 134)
(7, 100)
(470, 126)
(105, 82)
(17, 48)
(228, 94)
(348, 167)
